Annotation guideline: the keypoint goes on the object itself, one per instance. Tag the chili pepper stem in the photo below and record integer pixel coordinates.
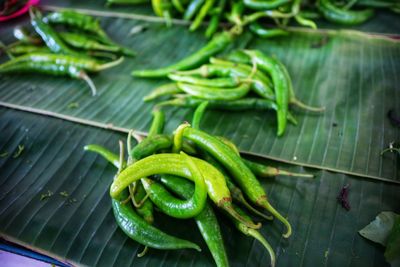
(231, 211)
(300, 104)
(265, 204)
(110, 64)
(264, 242)
(86, 78)
(144, 252)
(272, 171)
(178, 137)
(254, 210)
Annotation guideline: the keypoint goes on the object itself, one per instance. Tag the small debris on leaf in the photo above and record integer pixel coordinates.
(342, 198)
(46, 195)
(64, 194)
(73, 105)
(19, 151)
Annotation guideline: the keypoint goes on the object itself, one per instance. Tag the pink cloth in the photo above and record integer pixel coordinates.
(21, 11)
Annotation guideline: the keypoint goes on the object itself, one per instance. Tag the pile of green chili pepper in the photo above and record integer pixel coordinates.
(245, 79)
(64, 43)
(276, 12)
(188, 175)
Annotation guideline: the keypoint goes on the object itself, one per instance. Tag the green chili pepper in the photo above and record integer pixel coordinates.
(86, 23)
(260, 83)
(175, 164)
(178, 5)
(105, 153)
(217, 44)
(265, 4)
(57, 65)
(27, 49)
(216, 82)
(192, 9)
(206, 220)
(146, 208)
(139, 230)
(157, 125)
(238, 170)
(49, 35)
(126, 2)
(281, 85)
(198, 114)
(260, 31)
(174, 207)
(202, 13)
(84, 42)
(215, 19)
(264, 171)
(255, 234)
(215, 94)
(163, 90)
(342, 16)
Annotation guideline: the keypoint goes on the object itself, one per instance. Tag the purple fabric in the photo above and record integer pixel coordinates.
(8, 259)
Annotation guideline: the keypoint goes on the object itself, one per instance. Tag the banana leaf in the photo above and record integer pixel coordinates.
(354, 75)
(75, 224)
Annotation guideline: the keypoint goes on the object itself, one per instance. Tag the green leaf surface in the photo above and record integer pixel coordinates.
(354, 75)
(80, 228)
(379, 229)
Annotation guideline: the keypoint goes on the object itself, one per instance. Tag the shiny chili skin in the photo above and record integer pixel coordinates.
(105, 153)
(265, 4)
(206, 220)
(264, 171)
(215, 19)
(139, 230)
(210, 93)
(81, 41)
(198, 114)
(262, 32)
(49, 35)
(204, 10)
(217, 44)
(174, 207)
(237, 169)
(342, 16)
(281, 85)
(27, 49)
(216, 82)
(163, 90)
(157, 125)
(146, 209)
(191, 10)
(175, 164)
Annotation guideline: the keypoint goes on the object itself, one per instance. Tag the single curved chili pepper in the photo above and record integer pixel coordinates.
(217, 44)
(215, 94)
(178, 137)
(216, 82)
(254, 233)
(342, 16)
(157, 125)
(204, 10)
(139, 230)
(198, 114)
(281, 86)
(238, 170)
(105, 153)
(49, 35)
(265, 4)
(260, 31)
(23, 35)
(178, 5)
(175, 164)
(146, 209)
(264, 171)
(80, 41)
(305, 21)
(174, 207)
(215, 19)
(192, 9)
(206, 220)
(165, 89)
(234, 105)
